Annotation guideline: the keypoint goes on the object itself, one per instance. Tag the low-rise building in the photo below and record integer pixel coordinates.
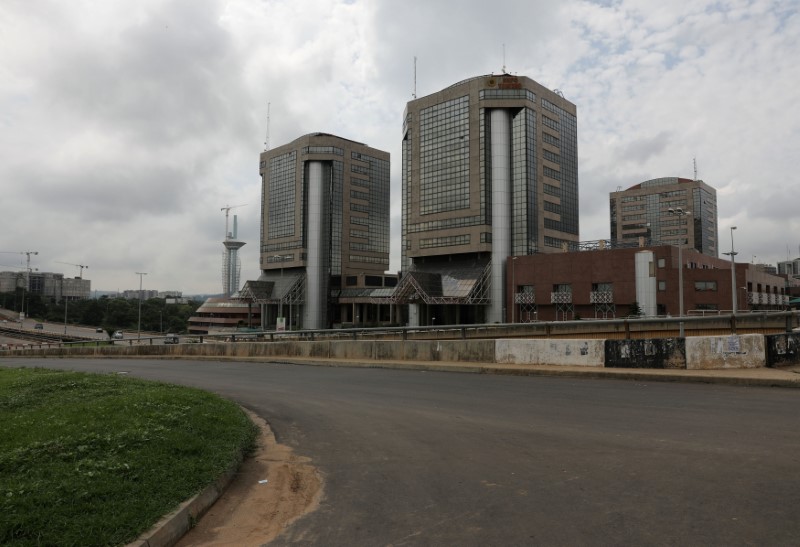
(606, 282)
(221, 315)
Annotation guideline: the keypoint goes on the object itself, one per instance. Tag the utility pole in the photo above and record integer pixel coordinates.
(139, 329)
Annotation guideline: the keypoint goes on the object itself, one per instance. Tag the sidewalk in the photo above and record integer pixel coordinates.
(763, 377)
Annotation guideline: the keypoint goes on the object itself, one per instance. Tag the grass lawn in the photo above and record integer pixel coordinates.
(91, 459)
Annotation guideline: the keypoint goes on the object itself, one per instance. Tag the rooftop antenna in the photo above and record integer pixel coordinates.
(504, 58)
(266, 143)
(414, 94)
(694, 163)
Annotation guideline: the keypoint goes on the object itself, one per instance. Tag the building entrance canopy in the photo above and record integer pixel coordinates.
(444, 285)
(287, 289)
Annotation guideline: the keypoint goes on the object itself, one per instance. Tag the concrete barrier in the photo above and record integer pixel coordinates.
(664, 353)
(570, 352)
(720, 352)
(696, 352)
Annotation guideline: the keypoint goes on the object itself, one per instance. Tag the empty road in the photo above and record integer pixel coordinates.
(425, 458)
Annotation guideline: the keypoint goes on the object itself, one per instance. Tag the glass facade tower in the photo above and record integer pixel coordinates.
(325, 216)
(641, 213)
(489, 171)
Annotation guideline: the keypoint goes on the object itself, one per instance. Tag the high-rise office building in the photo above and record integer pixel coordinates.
(324, 220)
(489, 172)
(667, 210)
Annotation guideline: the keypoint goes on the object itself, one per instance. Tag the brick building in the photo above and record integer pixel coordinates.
(605, 283)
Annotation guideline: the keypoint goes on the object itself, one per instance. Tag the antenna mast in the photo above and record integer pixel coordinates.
(266, 140)
(694, 163)
(414, 94)
(504, 58)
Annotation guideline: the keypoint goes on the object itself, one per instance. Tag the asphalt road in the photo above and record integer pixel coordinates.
(424, 458)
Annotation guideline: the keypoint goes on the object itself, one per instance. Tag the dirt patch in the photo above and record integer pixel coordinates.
(251, 512)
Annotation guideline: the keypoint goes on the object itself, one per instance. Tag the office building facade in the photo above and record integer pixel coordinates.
(324, 220)
(670, 210)
(489, 172)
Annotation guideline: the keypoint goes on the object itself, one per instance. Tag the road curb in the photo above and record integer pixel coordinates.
(173, 526)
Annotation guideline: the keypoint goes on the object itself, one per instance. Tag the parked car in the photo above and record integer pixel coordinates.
(99, 329)
(118, 335)
(171, 339)
(38, 326)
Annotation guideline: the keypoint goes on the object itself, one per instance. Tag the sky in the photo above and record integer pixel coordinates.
(126, 127)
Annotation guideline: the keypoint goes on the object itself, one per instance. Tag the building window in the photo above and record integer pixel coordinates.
(705, 285)
(444, 157)
(447, 241)
(662, 285)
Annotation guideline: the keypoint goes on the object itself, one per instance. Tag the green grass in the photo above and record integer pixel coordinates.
(98, 459)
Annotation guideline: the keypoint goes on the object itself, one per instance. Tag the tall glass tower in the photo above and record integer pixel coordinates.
(489, 172)
(324, 218)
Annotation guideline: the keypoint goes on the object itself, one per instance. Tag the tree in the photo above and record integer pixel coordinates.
(634, 310)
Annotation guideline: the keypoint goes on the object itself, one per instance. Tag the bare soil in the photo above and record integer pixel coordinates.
(253, 512)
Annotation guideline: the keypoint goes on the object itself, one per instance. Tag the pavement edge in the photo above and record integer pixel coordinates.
(173, 526)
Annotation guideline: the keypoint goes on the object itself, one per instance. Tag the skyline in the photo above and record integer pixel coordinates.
(127, 128)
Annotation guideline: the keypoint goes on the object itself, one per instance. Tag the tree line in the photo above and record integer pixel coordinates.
(110, 313)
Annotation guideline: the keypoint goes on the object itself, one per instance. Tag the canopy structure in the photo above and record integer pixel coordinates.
(288, 289)
(457, 284)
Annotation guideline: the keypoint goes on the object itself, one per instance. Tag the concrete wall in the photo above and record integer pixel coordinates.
(706, 352)
(646, 353)
(718, 352)
(570, 352)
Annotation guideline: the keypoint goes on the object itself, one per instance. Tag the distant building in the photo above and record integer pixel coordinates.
(642, 213)
(49, 285)
(135, 294)
(223, 315)
(606, 282)
(790, 268)
(489, 172)
(325, 220)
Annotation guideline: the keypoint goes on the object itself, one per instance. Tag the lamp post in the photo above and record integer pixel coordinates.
(279, 258)
(139, 329)
(680, 213)
(66, 306)
(733, 271)
(514, 289)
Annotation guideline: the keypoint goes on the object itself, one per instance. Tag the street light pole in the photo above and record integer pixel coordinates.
(513, 289)
(66, 306)
(279, 258)
(733, 273)
(139, 329)
(680, 213)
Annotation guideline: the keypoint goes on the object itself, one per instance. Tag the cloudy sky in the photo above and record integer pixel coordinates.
(125, 127)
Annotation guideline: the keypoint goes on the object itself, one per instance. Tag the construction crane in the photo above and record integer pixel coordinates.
(81, 266)
(227, 210)
(28, 253)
